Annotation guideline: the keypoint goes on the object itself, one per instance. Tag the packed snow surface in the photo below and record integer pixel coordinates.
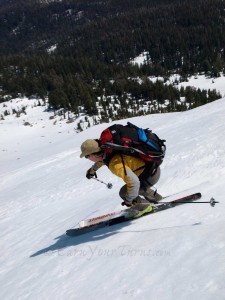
(175, 254)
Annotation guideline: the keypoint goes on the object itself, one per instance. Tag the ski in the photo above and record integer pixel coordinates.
(122, 216)
(108, 216)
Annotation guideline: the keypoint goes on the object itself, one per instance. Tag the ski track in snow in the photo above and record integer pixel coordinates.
(175, 254)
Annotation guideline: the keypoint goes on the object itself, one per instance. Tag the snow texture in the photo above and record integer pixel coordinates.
(175, 254)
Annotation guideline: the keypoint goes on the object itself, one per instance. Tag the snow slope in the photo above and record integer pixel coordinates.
(175, 254)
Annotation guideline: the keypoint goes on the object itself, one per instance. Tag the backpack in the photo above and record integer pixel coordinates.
(132, 140)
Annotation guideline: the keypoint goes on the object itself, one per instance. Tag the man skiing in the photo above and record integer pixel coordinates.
(138, 175)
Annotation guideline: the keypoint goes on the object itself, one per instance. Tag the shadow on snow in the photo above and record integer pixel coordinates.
(64, 241)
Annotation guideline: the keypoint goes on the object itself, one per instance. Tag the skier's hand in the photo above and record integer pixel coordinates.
(91, 173)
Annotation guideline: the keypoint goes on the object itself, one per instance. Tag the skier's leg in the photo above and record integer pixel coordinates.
(147, 183)
(139, 205)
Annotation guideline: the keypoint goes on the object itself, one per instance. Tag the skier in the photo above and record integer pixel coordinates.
(138, 175)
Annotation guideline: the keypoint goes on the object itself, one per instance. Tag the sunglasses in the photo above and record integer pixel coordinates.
(87, 156)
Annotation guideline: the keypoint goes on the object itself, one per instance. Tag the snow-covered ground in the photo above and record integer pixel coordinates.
(203, 82)
(199, 82)
(175, 254)
(141, 59)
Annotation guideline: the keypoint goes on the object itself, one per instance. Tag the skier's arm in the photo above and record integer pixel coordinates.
(97, 165)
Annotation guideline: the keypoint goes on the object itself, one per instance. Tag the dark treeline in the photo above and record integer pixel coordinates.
(95, 41)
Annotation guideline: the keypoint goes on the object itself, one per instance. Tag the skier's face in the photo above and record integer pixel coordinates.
(95, 157)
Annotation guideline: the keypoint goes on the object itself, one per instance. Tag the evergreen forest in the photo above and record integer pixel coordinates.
(77, 53)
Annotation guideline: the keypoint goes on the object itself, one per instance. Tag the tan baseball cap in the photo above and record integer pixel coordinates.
(88, 147)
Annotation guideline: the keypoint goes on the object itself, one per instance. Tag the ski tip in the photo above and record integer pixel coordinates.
(198, 195)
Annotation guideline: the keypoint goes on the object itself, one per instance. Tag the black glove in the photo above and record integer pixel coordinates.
(91, 173)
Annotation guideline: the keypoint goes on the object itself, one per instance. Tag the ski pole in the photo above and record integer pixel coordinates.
(109, 185)
(212, 202)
